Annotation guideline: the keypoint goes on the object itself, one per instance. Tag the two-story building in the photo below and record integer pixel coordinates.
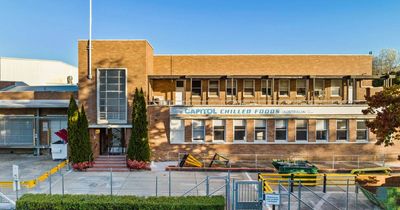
(230, 104)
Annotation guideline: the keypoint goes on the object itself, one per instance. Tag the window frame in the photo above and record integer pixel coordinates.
(234, 131)
(288, 88)
(267, 84)
(213, 131)
(102, 121)
(218, 88)
(253, 87)
(191, 87)
(171, 131)
(336, 87)
(347, 130)
(303, 129)
(366, 130)
(305, 87)
(286, 121)
(235, 83)
(322, 90)
(326, 122)
(204, 131)
(264, 130)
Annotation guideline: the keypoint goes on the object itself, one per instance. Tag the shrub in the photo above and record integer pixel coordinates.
(138, 165)
(97, 202)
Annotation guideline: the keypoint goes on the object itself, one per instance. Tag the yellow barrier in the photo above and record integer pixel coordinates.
(32, 183)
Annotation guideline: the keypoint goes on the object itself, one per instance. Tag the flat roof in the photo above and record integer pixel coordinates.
(34, 103)
(43, 88)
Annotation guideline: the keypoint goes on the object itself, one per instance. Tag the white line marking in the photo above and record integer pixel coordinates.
(248, 176)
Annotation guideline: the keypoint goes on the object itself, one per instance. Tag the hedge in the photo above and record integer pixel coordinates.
(100, 202)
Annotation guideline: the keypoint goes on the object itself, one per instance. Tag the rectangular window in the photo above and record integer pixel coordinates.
(281, 130)
(319, 88)
(260, 129)
(231, 87)
(213, 88)
(341, 129)
(301, 130)
(239, 129)
(335, 87)
(112, 100)
(301, 87)
(219, 130)
(322, 130)
(198, 131)
(266, 87)
(284, 87)
(362, 130)
(248, 87)
(177, 131)
(196, 87)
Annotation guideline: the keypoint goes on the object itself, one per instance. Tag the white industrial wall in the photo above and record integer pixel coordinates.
(36, 72)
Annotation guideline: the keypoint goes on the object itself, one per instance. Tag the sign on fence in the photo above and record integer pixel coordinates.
(272, 199)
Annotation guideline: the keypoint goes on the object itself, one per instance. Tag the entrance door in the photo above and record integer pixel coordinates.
(179, 92)
(112, 141)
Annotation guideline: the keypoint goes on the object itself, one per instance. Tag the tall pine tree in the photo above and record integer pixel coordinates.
(86, 145)
(73, 132)
(138, 148)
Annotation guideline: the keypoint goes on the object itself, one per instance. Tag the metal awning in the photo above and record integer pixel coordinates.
(34, 103)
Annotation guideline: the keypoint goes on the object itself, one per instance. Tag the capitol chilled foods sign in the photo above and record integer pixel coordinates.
(342, 110)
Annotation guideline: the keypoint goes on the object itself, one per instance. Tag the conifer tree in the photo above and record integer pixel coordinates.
(73, 133)
(84, 136)
(138, 148)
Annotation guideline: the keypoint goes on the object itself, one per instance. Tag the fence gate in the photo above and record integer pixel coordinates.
(247, 195)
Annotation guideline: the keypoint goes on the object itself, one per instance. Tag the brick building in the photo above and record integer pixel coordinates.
(230, 104)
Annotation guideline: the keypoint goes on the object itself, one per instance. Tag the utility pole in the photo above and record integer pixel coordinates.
(90, 42)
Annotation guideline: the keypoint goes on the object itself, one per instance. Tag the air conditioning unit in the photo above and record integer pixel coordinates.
(159, 100)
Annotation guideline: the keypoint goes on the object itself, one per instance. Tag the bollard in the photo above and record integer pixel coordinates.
(169, 183)
(62, 184)
(156, 186)
(111, 183)
(291, 182)
(324, 184)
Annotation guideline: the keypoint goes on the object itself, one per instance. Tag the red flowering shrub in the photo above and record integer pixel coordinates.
(83, 165)
(137, 165)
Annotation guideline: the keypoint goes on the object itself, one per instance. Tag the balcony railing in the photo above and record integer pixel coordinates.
(252, 102)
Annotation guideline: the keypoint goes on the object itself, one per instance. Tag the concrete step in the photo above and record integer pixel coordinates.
(109, 166)
(112, 158)
(110, 162)
(107, 169)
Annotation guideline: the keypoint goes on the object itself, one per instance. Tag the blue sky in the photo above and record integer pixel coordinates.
(49, 29)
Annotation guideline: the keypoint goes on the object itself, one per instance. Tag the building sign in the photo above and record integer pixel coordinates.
(289, 110)
(272, 199)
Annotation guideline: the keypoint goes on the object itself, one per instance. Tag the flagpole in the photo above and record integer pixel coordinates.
(90, 41)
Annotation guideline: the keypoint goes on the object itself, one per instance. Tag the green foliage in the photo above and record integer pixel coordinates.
(100, 202)
(386, 106)
(138, 148)
(78, 134)
(393, 198)
(387, 61)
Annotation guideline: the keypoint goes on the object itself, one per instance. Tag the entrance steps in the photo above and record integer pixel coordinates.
(104, 163)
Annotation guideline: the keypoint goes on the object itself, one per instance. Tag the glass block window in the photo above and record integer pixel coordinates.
(362, 130)
(239, 129)
(219, 130)
(322, 130)
(260, 129)
(112, 102)
(281, 130)
(284, 87)
(301, 130)
(341, 129)
(198, 130)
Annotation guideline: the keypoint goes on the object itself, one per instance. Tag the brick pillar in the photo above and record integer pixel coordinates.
(204, 91)
(271, 130)
(291, 130)
(292, 90)
(222, 91)
(332, 130)
(352, 130)
(209, 129)
(257, 91)
(250, 130)
(239, 90)
(312, 130)
(229, 130)
(188, 92)
(95, 141)
(188, 130)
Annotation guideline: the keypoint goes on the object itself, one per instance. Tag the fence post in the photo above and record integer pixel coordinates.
(356, 196)
(291, 182)
(234, 194)
(50, 182)
(111, 182)
(289, 195)
(169, 183)
(156, 186)
(299, 195)
(16, 188)
(347, 195)
(62, 184)
(324, 184)
(279, 191)
(227, 190)
(207, 186)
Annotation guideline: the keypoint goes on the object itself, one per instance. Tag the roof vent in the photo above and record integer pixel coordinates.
(69, 80)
